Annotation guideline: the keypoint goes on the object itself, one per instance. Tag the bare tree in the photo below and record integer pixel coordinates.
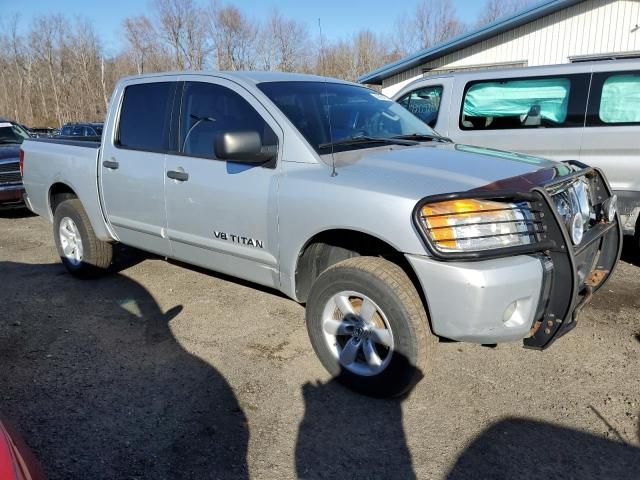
(284, 44)
(86, 62)
(183, 27)
(141, 36)
(436, 21)
(235, 38)
(430, 23)
(46, 38)
(495, 9)
(57, 70)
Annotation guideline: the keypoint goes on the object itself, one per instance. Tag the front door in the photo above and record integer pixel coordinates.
(132, 166)
(222, 215)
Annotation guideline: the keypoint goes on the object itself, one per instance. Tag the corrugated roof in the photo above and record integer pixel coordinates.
(499, 26)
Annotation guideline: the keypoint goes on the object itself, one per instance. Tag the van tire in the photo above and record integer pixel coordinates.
(70, 221)
(397, 308)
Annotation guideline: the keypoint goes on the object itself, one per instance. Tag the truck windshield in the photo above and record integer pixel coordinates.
(344, 116)
(12, 133)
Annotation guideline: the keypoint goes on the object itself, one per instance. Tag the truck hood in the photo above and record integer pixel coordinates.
(9, 151)
(432, 169)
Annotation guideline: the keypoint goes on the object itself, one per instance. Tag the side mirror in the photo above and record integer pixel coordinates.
(242, 146)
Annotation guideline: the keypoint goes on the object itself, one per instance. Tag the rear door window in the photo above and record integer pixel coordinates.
(424, 103)
(543, 102)
(615, 99)
(145, 116)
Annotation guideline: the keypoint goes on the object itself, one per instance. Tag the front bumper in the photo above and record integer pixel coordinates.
(472, 301)
(11, 195)
(534, 296)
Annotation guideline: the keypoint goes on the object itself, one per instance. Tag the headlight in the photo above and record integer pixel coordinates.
(472, 225)
(573, 204)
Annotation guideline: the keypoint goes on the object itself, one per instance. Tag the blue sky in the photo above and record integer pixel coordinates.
(339, 17)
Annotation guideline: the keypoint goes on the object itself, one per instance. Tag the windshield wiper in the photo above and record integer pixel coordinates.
(359, 139)
(425, 136)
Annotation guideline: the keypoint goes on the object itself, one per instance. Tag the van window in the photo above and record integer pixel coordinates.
(620, 99)
(525, 103)
(424, 103)
(145, 116)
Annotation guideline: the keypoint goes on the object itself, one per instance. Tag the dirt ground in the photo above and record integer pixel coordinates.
(163, 371)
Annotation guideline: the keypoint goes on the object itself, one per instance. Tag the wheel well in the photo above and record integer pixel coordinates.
(330, 247)
(58, 193)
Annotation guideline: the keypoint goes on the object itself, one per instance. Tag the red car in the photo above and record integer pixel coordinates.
(16, 460)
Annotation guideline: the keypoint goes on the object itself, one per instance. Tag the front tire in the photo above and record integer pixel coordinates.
(81, 252)
(368, 326)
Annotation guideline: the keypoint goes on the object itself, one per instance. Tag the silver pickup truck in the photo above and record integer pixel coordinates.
(391, 234)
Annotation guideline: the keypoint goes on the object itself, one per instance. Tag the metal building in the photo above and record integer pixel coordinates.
(547, 33)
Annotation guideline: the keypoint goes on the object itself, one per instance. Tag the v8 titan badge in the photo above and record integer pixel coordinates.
(230, 237)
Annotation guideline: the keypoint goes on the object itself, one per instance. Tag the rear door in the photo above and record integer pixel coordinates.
(132, 166)
(541, 115)
(223, 215)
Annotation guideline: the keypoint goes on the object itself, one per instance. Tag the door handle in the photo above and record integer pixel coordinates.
(180, 176)
(110, 164)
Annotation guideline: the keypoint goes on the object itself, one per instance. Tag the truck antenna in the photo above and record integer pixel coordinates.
(326, 92)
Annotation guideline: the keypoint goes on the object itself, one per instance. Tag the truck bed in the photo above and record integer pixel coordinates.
(89, 142)
(51, 164)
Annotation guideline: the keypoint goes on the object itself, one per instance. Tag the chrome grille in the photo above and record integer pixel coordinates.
(10, 172)
(573, 198)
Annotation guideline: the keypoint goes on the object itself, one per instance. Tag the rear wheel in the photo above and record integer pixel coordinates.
(81, 252)
(368, 326)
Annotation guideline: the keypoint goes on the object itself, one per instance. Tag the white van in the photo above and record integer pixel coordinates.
(583, 111)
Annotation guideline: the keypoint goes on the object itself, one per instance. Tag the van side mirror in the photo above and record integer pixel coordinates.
(242, 146)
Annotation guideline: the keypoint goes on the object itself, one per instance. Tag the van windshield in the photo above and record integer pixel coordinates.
(330, 114)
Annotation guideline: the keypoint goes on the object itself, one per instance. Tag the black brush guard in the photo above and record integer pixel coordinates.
(571, 274)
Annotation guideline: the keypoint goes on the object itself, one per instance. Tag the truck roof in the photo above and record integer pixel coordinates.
(253, 77)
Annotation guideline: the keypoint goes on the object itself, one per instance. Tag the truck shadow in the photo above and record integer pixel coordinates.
(630, 252)
(100, 388)
(19, 212)
(347, 435)
(523, 448)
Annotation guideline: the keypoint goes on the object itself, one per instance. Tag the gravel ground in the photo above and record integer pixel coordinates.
(164, 371)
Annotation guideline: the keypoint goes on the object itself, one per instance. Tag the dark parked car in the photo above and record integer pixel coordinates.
(81, 130)
(11, 188)
(45, 132)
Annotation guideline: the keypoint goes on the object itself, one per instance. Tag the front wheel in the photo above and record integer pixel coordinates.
(81, 252)
(368, 326)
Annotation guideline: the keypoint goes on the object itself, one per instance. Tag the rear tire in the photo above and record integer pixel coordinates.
(81, 252)
(369, 328)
